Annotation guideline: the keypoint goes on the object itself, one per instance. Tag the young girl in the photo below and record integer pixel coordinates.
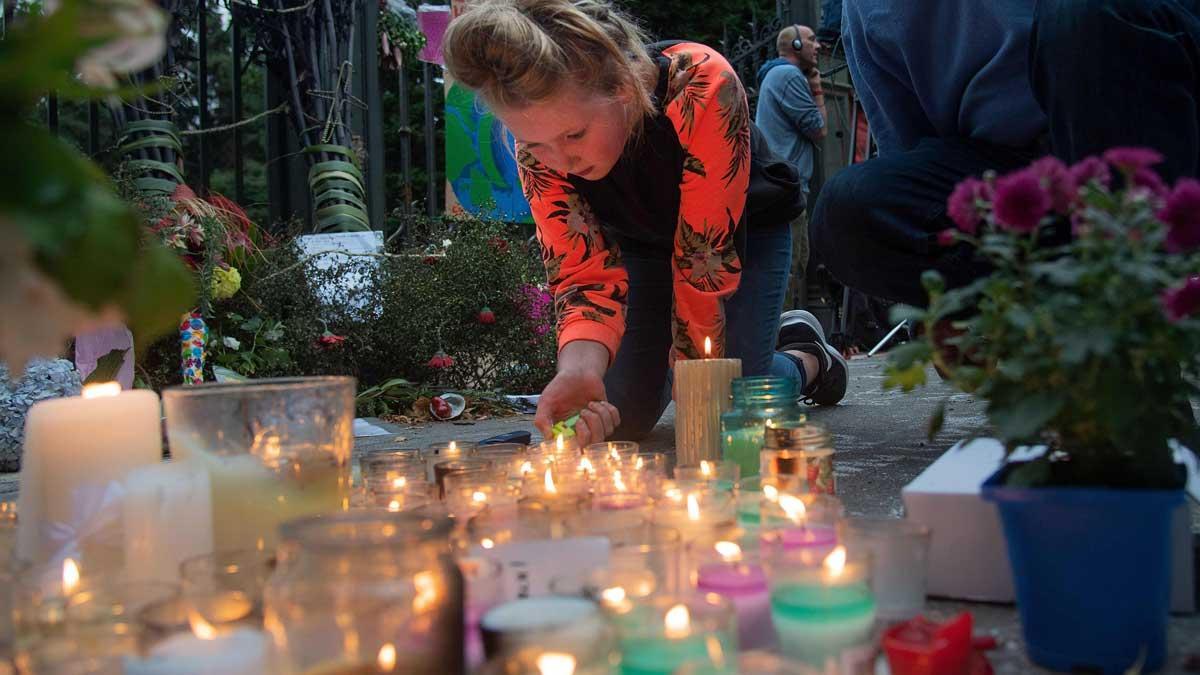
(637, 161)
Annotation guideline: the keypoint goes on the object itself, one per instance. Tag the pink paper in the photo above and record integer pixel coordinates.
(90, 346)
(433, 20)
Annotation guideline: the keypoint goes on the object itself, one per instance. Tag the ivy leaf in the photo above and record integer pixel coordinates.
(107, 367)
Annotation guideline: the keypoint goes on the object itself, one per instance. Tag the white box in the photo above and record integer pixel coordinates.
(968, 559)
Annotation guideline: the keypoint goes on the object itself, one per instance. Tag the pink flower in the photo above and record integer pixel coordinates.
(947, 237)
(1054, 178)
(1020, 202)
(1182, 216)
(963, 205)
(440, 360)
(1132, 159)
(1182, 301)
(1148, 180)
(1087, 170)
(329, 341)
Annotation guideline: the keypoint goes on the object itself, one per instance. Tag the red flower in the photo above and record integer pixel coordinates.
(1132, 159)
(1087, 170)
(1147, 179)
(963, 208)
(1182, 301)
(487, 316)
(499, 243)
(430, 260)
(1054, 178)
(329, 341)
(1182, 216)
(440, 360)
(1020, 202)
(947, 237)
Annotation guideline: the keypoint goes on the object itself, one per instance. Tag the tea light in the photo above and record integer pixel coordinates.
(205, 652)
(75, 447)
(696, 514)
(702, 393)
(744, 584)
(670, 632)
(613, 493)
(803, 529)
(559, 446)
(440, 452)
(719, 475)
(820, 611)
(570, 623)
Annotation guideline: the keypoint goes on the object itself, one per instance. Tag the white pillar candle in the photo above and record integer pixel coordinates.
(76, 447)
(167, 518)
(242, 652)
(702, 393)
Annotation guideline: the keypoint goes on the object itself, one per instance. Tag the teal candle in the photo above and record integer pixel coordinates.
(661, 655)
(749, 508)
(742, 447)
(817, 620)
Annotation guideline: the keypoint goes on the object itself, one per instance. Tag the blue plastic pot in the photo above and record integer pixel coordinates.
(1092, 572)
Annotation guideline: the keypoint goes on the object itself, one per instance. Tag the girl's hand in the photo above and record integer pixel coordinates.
(579, 387)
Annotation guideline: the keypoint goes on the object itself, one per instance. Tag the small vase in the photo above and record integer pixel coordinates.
(1092, 572)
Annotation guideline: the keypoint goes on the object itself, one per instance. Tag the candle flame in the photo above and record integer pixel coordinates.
(693, 507)
(674, 494)
(201, 628)
(556, 663)
(613, 595)
(729, 551)
(706, 469)
(640, 463)
(394, 506)
(770, 492)
(427, 592)
(479, 497)
(612, 452)
(835, 562)
(526, 468)
(387, 657)
(707, 347)
(399, 483)
(70, 576)
(101, 389)
(452, 448)
(585, 465)
(617, 482)
(715, 653)
(549, 482)
(487, 543)
(793, 506)
(677, 623)
(559, 443)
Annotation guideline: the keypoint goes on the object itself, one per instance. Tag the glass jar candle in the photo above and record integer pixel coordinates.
(720, 476)
(758, 402)
(440, 452)
(799, 453)
(274, 450)
(367, 591)
(665, 633)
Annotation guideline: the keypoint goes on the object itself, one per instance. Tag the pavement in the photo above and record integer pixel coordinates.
(881, 443)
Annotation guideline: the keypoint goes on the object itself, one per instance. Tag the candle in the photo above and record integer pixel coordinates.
(75, 449)
(820, 611)
(167, 518)
(744, 585)
(899, 556)
(702, 393)
(810, 541)
(567, 623)
(242, 652)
(741, 446)
(668, 633)
(923, 647)
(386, 661)
(697, 515)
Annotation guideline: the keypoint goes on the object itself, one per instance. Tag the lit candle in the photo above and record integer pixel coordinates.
(205, 651)
(820, 611)
(667, 641)
(811, 541)
(702, 393)
(76, 448)
(618, 496)
(697, 515)
(744, 584)
(167, 517)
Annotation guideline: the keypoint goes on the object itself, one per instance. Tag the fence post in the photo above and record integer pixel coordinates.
(239, 178)
(431, 192)
(372, 120)
(202, 90)
(405, 139)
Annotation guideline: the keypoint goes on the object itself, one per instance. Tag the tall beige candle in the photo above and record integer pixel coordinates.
(702, 393)
(77, 444)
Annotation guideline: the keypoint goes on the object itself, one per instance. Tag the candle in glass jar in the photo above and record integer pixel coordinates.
(242, 652)
(744, 585)
(667, 640)
(821, 611)
(702, 393)
(75, 448)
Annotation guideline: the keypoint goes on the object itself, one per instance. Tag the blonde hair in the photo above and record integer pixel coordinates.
(514, 53)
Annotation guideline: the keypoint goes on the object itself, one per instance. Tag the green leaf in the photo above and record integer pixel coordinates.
(909, 353)
(932, 282)
(937, 420)
(107, 367)
(160, 289)
(905, 378)
(252, 325)
(273, 334)
(1023, 418)
(1077, 346)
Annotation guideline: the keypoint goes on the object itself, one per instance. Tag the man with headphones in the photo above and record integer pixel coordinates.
(791, 115)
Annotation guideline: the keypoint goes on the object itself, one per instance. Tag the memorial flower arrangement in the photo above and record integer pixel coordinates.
(1086, 334)
(72, 252)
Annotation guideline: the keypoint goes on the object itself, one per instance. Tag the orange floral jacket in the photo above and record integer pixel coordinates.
(706, 106)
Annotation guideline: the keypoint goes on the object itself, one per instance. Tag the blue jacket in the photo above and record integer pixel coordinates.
(944, 69)
(786, 113)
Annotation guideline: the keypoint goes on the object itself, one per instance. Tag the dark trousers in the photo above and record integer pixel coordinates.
(1107, 73)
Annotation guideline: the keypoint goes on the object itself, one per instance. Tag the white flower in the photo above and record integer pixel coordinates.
(446, 243)
(231, 342)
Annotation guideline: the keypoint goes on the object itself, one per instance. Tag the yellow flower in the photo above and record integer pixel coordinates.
(225, 283)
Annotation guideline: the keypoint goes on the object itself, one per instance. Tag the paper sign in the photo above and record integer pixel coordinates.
(529, 566)
(351, 288)
(433, 20)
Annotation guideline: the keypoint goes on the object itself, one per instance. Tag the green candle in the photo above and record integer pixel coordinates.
(818, 620)
(661, 655)
(742, 446)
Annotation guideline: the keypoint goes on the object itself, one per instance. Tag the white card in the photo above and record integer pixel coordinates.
(529, 566)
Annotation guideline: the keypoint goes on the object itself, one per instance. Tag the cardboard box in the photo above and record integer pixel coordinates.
(968, 559)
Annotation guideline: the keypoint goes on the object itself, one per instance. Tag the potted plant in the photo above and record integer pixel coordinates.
(1085, 339)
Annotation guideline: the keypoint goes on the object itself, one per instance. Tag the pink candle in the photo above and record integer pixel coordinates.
(819, 539)
(745, 586)
(619, 501)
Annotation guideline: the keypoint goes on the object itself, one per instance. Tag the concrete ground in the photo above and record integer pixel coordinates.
(881, 444)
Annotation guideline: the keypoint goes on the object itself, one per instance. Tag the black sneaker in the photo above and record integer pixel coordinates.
(801, 331)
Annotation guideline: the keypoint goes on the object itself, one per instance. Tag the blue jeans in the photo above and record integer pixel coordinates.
(639, 381)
